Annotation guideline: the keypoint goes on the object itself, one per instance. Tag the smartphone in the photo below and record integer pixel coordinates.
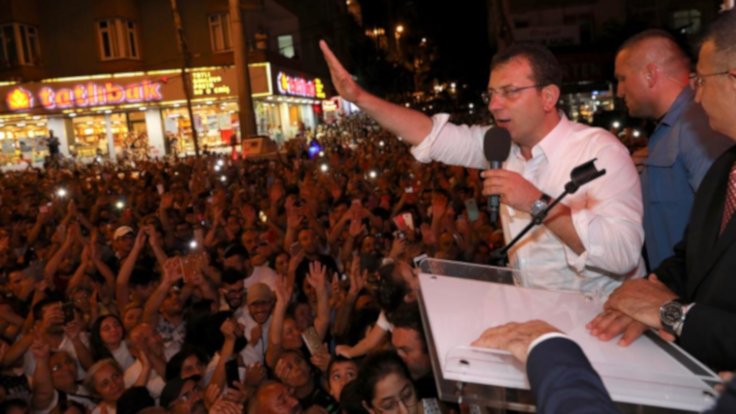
(471, 206)
(409, 190)
(231, 372)
(311, 339)
(68, 309)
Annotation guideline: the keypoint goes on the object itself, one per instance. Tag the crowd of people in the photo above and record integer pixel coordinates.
(223, 285)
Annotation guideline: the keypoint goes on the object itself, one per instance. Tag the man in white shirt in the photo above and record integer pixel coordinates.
(590, 241)
(256, 322)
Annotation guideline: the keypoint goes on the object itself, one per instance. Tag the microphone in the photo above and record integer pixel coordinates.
(496, 147)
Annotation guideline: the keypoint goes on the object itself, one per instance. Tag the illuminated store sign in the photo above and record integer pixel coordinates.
(206, 83)
(296, 86)
(84, 95)
(19, 99)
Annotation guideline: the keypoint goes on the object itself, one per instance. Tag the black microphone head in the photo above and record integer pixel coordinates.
(497, 144)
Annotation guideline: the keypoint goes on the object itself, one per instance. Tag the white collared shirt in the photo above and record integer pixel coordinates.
(606, 213)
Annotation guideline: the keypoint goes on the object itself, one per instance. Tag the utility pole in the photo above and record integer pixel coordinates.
(245, 103)
(185, 63)
(502, 27)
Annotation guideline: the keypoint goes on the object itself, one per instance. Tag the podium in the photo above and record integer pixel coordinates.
(458, 301)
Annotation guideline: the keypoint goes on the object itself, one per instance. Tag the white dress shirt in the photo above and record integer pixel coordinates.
(606, 213)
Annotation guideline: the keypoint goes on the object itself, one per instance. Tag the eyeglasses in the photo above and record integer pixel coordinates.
(507, 92)
(697, 79)
(407, 397)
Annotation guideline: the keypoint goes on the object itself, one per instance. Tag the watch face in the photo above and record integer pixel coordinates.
(538, 206)
(671, 313)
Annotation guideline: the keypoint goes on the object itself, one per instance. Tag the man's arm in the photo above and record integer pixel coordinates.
(603, 228)
(410, 125)
(560, 375)
(709, 334)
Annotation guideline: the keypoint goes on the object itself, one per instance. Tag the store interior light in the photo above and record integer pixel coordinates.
(72, 114)
(61, 192)
(142, 108)
(108, 111)
(373, 174)
(324, 168)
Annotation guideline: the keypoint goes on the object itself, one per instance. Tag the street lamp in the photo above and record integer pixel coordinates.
(397, 35)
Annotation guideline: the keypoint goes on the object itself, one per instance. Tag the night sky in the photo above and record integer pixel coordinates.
(457, 30)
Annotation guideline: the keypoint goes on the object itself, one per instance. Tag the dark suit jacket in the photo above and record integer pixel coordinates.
(703, 270)
(563, 381)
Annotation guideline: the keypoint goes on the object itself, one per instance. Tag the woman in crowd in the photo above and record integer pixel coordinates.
(108, 341)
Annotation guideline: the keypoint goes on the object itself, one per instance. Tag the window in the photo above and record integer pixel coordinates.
(686, 21)
(118, 39)
(19, 45)
(286, 45)
(220, 32)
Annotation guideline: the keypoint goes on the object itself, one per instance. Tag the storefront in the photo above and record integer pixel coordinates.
(145, 112)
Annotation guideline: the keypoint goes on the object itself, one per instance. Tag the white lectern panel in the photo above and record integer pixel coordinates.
(459, 310)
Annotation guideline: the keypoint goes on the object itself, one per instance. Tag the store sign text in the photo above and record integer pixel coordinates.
(85, 95)
(205, 83)
(292, 85)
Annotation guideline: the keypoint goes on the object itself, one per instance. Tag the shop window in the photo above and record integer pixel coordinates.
(220, 32)
(286, 45)
(118, 39)
(19, 45)
(687, 21)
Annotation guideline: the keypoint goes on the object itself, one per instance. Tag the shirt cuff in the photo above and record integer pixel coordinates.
(543, 338)
(422, 152)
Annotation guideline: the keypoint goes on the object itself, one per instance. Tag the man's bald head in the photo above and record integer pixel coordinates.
(660, 48)
(651, 70)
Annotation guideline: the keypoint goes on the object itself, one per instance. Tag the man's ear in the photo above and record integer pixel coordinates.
(651, 74)
(550, 96)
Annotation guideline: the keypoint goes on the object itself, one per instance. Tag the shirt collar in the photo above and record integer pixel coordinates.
(677, 107)
(549, 146)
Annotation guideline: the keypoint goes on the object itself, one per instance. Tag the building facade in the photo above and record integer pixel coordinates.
(104, 76)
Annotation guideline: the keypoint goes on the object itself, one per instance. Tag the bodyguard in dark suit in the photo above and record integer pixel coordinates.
(691, 297)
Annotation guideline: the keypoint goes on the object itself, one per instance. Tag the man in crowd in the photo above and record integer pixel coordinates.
(690, 296)
(589, 241)
(237, 257)
(256, 321)
(653, 79)
(407, 338)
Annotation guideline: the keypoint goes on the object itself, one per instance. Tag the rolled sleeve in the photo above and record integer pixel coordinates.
(609, 222)
(452, 144)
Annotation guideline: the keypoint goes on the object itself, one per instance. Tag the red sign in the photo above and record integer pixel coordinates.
(85, 95)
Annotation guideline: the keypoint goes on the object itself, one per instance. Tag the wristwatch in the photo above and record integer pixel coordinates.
(540, 205)
(672, 316)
